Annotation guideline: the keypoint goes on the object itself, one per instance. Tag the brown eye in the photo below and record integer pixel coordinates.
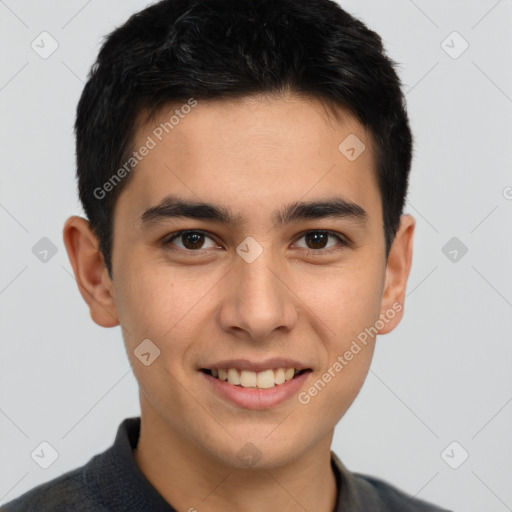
(316, 241)
(190, 240)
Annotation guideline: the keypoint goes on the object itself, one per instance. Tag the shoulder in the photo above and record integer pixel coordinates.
(66, 492)
(378, 493)
(369, 494)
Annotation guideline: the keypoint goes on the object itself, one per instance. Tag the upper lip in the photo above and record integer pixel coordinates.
(256, 366)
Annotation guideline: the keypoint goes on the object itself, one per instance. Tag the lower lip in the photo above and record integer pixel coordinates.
(255, 398)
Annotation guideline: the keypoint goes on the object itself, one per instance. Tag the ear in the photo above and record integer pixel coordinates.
(398, 267)
(90, 271)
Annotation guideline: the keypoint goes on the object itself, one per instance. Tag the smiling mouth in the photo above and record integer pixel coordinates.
(248, 379)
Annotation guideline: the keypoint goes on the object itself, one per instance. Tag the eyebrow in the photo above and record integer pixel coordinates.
(175, 207)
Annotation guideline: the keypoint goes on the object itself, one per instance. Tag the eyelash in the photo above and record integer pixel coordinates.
(314, 252)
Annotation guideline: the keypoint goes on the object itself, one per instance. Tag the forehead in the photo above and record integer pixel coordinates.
(249, 154)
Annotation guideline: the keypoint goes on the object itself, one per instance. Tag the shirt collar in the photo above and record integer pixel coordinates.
(120, 483)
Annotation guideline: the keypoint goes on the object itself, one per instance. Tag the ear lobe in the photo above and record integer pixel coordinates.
(91, 275)
(398, 267)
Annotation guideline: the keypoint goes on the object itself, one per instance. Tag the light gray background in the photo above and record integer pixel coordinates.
(443, 375)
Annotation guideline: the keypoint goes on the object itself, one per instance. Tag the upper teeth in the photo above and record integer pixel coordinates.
(249, 379)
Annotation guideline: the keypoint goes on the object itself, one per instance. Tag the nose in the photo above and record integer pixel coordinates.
(259, 303)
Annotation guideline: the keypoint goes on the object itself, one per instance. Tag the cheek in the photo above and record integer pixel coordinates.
(347, 300)
(149, 304)
(167, 306)
(349, 306)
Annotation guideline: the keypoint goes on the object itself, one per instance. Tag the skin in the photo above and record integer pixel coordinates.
(252, 155)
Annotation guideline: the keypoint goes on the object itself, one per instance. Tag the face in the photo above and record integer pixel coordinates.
(283, 276)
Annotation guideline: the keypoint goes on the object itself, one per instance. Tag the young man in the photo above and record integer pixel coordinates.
(243, 165)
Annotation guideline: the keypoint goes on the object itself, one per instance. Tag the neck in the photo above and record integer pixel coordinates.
(192, 480)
